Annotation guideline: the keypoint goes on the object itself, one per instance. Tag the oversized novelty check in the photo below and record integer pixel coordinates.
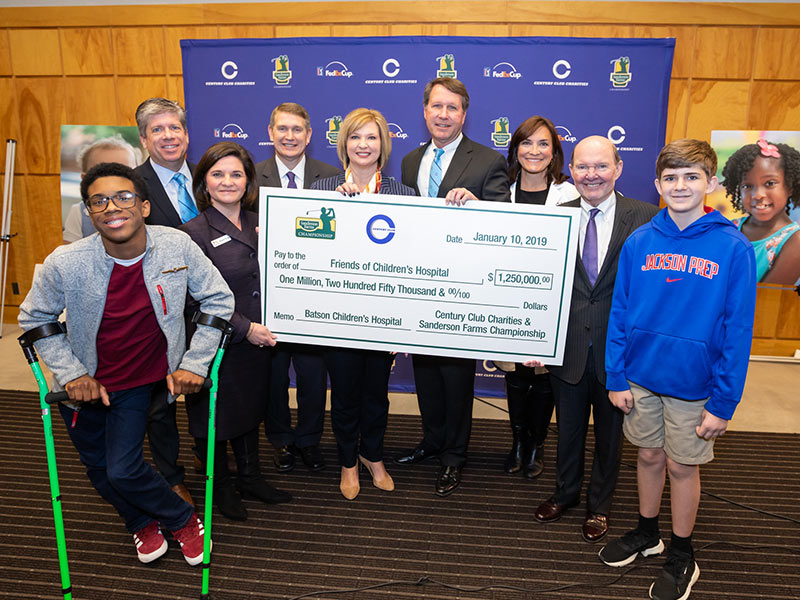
(488, 280)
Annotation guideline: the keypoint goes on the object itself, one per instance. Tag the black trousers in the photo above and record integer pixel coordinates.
(445, 391)
(312, 388)
(359, 402)
(162, 434)
(574, 403)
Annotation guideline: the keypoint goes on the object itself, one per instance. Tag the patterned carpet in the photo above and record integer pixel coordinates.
(483, 535)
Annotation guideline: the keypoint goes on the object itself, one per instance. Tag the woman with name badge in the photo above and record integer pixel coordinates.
(360, 378)
(535, 161)
(224, 189)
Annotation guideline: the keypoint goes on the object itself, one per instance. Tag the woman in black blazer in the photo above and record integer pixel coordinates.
(360, 378)
(224, 188)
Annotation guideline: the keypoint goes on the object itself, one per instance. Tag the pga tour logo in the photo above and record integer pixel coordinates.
(334, 69)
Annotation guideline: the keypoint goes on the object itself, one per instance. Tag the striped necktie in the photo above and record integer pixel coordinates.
(185, 203)
(436, 174)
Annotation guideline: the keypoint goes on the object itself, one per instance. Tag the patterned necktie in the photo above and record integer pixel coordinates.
(185, 203)
(436, 174)
(590, 247)
(292, 183)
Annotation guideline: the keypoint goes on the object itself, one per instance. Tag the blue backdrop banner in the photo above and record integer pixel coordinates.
(616, 88)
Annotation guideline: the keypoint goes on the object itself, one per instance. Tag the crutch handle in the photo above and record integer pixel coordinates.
(27, 339)
(53, 397)
(224, 326)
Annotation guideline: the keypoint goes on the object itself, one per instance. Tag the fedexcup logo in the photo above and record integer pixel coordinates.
(502, 70)
(564, 134)
(396, 132)
(282, 74)
(231, 131)
(446, 66)
(332, 132)
(322, 227)
(621, 72)
(334, 69)
(500, 134)
(380, 229)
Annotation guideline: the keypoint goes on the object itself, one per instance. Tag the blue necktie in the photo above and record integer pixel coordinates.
(292, 182)
(590, 247)
(185, 203)
(436, 173)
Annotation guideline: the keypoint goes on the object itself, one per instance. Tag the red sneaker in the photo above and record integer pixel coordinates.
(190, 537)
(150, 543)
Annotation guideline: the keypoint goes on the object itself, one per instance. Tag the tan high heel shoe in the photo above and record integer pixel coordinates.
(386, 484)
(349, 491)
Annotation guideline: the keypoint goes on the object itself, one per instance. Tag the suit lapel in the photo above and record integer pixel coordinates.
(160, 200)
(619, 233)
(457, 166)
(580, 270)
(219, 222)
(311, 173)
(270, 177)
(413, 168)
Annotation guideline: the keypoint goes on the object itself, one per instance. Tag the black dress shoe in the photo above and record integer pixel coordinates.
(257, 488)
(448, 480)
(550, 510)
(228, 500)
(312, 458)
(417, 455)
(533, 462)
(283, 459)
(595, 527)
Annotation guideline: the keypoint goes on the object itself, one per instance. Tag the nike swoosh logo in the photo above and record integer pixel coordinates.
(673, 280)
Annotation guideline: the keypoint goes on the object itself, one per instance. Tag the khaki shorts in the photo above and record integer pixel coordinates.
(666, 422)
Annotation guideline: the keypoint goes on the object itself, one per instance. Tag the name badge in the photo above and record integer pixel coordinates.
(221, 240)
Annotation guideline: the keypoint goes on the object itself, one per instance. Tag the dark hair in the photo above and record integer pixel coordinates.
(451, 85)
(113, 170)
(215, 153)
(741, 161)
(523, 132)
(687, 152)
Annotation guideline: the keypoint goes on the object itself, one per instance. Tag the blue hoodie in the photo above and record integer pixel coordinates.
(681, 321)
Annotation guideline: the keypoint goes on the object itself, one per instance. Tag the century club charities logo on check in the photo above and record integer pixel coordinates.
(317, 223)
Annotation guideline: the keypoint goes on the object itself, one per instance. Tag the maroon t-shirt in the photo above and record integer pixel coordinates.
(131, 348)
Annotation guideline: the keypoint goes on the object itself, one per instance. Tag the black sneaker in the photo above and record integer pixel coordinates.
(676, 579)
(623, 551)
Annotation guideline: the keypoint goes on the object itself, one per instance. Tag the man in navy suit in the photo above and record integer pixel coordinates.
(162, 130)
(290, 167)
(579, 384)
(453, 167)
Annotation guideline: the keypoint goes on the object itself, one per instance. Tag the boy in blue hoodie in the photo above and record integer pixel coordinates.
(677, 351)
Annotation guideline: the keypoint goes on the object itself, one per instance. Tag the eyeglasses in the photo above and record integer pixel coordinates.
(98, 203)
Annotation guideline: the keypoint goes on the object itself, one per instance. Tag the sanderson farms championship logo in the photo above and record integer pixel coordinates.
(282, 74)
(321, 227)
(500, 134)
(332, 133)
(446, 66)
(621, 73)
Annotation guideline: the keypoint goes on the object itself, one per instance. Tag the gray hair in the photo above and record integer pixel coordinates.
(156, 106)
(114, 142)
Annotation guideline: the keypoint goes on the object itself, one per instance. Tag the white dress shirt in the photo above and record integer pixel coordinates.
(299, 170)
(605, 225)
(424, 173)
(170, 186)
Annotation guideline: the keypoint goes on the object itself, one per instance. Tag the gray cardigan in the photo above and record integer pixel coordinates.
(76, 277)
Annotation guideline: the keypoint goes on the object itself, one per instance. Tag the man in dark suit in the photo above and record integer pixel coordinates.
(162, 130)
(290, 167)
(607, 219)
(453, 167)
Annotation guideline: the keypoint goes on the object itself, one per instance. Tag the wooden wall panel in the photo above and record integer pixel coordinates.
(87, 51)
(716, 105)
(246, 31)
(172, 43)
(5, 53)
(139, 50)
(35, 51)
(778, 53)
(479, 29)
(131, 91)
(302, 30)
(684, 45)
(41, 114)
(90, 100)
(9, 119)
(677, 109)
(724, 52)
(775, 105)
(359, 30)
(540, 29)
(419, 29)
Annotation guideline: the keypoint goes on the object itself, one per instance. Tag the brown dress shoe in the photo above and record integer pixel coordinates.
(550, 510)
(595, 527)
(181, 490)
